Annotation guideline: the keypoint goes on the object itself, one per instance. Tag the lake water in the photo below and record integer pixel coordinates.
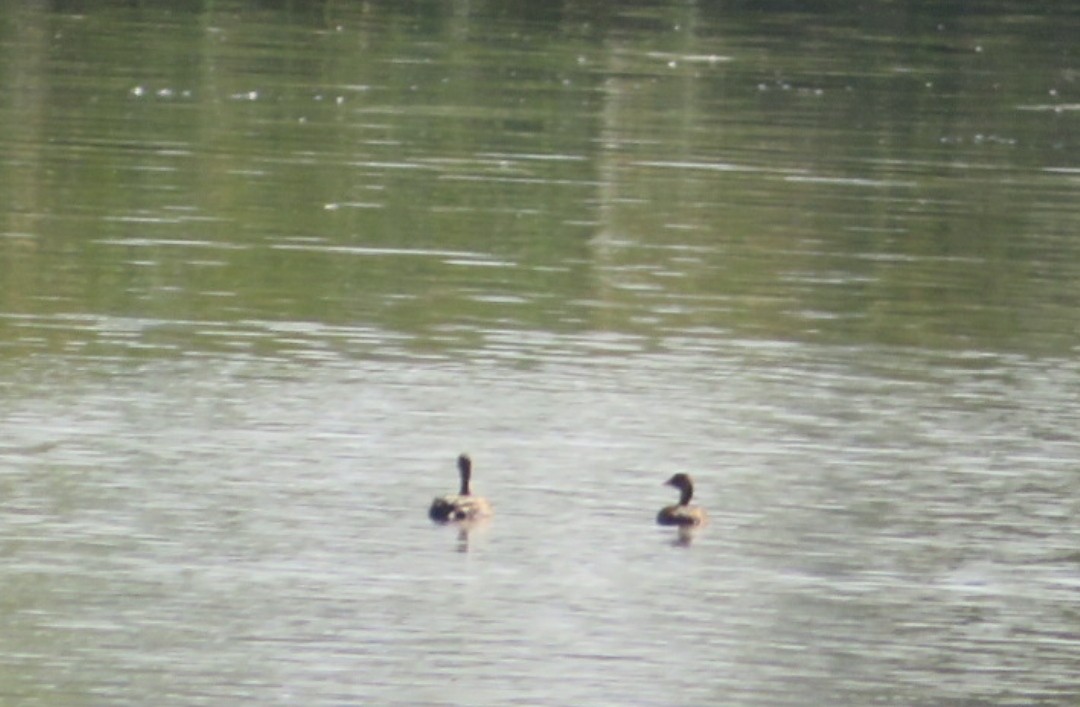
(265, 271)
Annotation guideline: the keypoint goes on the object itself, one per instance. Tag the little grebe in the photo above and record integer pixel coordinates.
(463, 505)
(681, 513)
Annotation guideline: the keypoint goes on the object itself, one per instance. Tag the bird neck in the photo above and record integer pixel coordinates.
(464, 483)
(685, 494)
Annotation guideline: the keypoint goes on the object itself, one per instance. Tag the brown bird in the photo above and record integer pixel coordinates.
(463, 505)
(681, 513)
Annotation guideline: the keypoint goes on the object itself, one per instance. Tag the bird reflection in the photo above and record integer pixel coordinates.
(684, 536)
(467, 533)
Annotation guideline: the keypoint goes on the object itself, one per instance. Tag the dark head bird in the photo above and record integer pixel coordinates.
(681, 513)
(464, 505)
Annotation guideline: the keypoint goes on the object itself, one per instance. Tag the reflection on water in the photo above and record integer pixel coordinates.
(263, 271)
(684, 536)
(469, 533)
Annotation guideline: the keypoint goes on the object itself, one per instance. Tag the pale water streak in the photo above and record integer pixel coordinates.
(248, 530)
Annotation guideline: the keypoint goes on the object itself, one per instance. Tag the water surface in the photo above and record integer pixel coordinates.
(265, 273)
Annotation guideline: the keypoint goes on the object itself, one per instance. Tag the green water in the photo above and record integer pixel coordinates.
(759, 172)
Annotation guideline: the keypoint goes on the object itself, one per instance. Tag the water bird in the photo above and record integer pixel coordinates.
(682, 513)
(462, 505)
